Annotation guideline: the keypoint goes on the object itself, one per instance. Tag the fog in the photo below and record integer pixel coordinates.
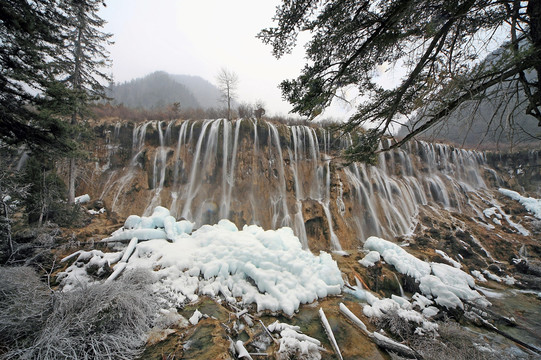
(200, 38)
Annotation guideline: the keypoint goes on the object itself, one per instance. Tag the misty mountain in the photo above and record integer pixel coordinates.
(206, 93)
(160, 89)
(498, 118)
(487, 123)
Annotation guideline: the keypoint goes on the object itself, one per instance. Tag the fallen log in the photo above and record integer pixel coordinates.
(393, 346)
(330, 334)
(118, 269)
(489, 326)
(512, 338)
(382, 341)
(241, 351)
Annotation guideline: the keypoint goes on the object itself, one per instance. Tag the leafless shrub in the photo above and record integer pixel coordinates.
(25, 303)
(452, 343)
(107, 321)
(397, 325)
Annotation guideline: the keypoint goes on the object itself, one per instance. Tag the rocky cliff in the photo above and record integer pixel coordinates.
(273, 175)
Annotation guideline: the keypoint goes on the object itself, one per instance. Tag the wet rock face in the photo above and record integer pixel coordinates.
(254, 172)
(520, 170)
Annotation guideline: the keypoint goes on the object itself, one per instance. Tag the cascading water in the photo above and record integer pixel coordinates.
(256, 172)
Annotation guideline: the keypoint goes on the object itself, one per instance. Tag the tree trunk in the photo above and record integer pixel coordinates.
(534, 12)
(71, 183)
(76, 85)
(228, 104)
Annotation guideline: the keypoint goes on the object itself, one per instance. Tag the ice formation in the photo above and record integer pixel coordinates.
(83, 199)
(268, 268)
(370, 259)
(196, 316)
(531, 204)
(447, 285)
(294, 343)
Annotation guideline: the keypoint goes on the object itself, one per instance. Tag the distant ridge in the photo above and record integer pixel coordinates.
(484, 125)
(205, 92)
(497, 120)
(160, 89)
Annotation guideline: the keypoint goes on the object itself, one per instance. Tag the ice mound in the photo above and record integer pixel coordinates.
(533, 205)
(268, 268)
(447, 285)
(160, 225)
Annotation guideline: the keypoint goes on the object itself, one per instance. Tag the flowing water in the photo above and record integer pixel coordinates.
(256, 172)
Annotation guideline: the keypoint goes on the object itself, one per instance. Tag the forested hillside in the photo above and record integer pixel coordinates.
(160, 89)
(498, 118)
(497, 121)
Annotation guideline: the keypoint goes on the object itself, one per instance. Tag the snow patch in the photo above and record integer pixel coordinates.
(83, 199)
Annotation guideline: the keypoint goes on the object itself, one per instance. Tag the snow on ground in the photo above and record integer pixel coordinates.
(293, 343)
(83, 199)
(531, 204)
(496, 214)
(509, 280)
(478, 275)
(448, 259)
(446, 285)
(268, 268)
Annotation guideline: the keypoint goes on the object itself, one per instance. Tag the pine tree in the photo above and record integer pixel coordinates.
(440, 42)
(30, 36)
(84, 65)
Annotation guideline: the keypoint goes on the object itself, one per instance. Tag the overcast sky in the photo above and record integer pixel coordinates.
(199, 38)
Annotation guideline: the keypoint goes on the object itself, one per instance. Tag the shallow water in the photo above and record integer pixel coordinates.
(524, 308)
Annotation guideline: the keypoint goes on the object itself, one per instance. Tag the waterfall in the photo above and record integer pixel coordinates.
(399, 286)
(256, 172)
(229, 177)
(280, 199)
(159, 168)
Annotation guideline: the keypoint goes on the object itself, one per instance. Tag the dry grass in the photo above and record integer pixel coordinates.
(107, 321)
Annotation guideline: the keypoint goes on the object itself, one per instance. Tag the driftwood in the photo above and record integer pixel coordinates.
(380, 340)
(390, 345)
(330, 334)
(241, 350)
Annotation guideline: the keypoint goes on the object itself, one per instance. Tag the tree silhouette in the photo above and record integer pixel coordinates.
(439, 42)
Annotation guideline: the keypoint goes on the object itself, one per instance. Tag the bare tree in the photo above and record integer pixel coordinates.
(245, 111)
(227, 83)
